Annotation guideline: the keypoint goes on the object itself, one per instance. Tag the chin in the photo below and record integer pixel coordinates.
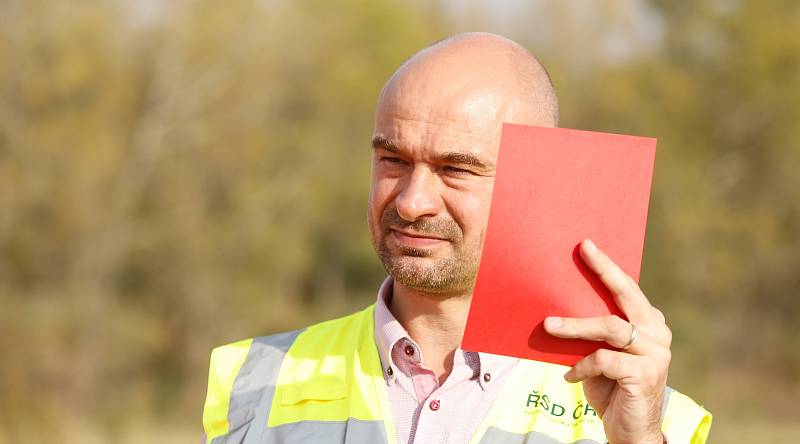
(415, 252)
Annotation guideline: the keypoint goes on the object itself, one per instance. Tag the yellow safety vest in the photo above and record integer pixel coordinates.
(325, 384)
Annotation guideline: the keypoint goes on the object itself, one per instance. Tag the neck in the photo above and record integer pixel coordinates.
(435, 322)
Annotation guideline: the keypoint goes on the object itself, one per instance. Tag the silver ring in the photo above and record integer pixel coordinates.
(633, 337)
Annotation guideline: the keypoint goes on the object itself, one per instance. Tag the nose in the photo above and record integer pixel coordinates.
(420, 195)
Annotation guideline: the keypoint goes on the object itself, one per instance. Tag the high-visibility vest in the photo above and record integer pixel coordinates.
(325, 384)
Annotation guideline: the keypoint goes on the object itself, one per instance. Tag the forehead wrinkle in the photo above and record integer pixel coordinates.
(462, 106)
(454, 156)
(475, 135)
(446, 140)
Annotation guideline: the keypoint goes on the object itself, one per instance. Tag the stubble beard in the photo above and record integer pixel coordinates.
(416, 268)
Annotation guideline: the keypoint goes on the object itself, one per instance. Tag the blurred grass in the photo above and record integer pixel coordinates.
(765, 432)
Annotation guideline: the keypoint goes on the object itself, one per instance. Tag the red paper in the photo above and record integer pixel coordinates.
(555, 187)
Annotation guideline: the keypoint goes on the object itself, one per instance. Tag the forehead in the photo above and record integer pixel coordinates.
(456, 116)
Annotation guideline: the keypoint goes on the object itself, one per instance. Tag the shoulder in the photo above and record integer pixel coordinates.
(230, 359)
(252, 363)
(243, 375)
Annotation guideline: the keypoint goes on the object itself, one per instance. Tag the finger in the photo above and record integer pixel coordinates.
(658, 330)
(659, 316)
(603, 362)
(627, 294)
(620, 366)
(612, 329)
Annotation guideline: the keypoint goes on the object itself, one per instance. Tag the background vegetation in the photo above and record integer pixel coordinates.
(177, 175)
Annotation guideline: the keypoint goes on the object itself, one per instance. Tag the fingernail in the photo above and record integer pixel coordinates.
(568, 376)
(553, 322)
(590, 246)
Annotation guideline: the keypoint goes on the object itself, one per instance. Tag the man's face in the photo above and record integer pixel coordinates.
(433, 165)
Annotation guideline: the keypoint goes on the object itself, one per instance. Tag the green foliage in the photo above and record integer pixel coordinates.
(722, 255)
(176, 175)
(173, 184)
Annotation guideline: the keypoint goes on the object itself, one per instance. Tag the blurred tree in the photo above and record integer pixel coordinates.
(176, 183)
(176, 175)
(721, 93)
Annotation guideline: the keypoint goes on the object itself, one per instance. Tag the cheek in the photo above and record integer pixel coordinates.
(380, 194)
(471, 210)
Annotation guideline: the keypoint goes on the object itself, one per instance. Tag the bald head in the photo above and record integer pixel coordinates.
(435, 148)
(492, 75)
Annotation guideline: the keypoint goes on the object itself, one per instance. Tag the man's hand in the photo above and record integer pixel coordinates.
(625, 387)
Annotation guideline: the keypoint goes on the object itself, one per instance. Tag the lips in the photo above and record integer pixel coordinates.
(416, 240)
(417, 235)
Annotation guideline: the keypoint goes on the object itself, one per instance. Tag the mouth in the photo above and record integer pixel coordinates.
(416, 240)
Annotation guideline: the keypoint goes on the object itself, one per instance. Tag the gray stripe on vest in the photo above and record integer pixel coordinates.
(667, 391)
(496, 436)
(254, 387)
(352, 431)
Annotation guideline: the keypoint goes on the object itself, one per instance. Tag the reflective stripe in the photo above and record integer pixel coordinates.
(253, 389)
(225, 364)
(320, 385)
(330, 385)
(325, 385)
(494, 435)
(325, 432)
(332, 373)
(664, 402)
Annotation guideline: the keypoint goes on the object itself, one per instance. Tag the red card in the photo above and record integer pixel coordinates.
(555, 187)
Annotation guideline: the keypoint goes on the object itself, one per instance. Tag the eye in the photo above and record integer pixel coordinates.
(393, 160)
(455, 171)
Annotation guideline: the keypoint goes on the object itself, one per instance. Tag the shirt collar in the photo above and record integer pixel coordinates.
(491, 366)
(388, 331)
(387, 328)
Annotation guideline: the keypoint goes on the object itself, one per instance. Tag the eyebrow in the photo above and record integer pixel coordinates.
(380, 142)
(464, 159)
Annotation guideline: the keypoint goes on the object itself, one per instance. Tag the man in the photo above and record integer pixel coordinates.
(395, 372)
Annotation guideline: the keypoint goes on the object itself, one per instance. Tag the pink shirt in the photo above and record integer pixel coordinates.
(423, 410)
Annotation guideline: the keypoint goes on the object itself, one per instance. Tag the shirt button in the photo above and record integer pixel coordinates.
(389, 371)
(434, 405)
(487, 377)
(409, 350)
